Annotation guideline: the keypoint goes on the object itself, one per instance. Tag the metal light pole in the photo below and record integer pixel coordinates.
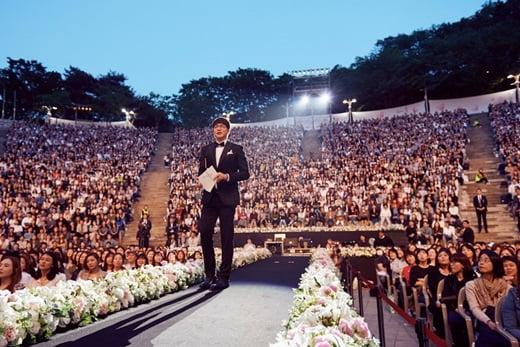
(516, 83)
(14, 106)
(3, 105)
(350, 102)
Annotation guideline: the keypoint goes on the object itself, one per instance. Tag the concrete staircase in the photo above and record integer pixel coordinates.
(154, 193)
(481, 155)
(311, 144)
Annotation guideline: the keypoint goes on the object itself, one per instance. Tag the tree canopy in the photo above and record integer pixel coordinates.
(470, 57)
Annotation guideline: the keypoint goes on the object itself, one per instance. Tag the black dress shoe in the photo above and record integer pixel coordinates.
(221, 284)
(208, 282)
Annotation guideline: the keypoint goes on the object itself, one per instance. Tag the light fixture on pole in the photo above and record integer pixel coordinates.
(228, 115)
(326, 99)
(350, 102)
(516, 83)
(129, 115)
(49, 109)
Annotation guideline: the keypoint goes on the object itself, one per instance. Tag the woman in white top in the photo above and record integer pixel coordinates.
(10, 273)
(91, 268)
(48, 273)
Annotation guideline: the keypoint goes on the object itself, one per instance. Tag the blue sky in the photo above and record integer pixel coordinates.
(161, 44)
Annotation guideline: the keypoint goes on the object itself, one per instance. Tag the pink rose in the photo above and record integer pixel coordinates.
(10, 334)
(345, 327)
(361, 328)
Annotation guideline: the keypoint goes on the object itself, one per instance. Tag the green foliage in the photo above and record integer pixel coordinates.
(470, 57)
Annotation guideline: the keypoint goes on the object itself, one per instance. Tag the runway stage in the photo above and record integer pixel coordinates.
(248, 313)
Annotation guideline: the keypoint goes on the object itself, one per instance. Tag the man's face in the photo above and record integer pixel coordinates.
(220, 131)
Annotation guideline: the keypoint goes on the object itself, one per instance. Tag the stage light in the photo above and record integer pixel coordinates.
(325, 98)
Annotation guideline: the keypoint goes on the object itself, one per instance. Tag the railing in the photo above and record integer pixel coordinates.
(424, 334)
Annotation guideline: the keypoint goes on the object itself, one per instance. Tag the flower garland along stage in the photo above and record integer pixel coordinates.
(338, 228)
(322, 313)
(30, 315)
(348, 252)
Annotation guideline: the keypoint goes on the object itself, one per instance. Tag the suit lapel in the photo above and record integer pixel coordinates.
(211, 155)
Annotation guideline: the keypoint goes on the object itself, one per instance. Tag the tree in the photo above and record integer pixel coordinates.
(29, 79)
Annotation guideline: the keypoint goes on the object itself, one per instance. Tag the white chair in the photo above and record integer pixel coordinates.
(444, 310)
(407, 299)
(467, 318)
(418, 305)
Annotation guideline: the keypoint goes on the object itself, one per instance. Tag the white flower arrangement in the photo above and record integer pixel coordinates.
(358, 252)
(335, 228)
(31, 315)
(322, 313)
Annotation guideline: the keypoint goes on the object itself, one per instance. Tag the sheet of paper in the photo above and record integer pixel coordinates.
(207, 178)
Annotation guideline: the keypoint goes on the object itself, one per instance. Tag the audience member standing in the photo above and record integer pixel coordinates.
(144, 231)
(480, 203)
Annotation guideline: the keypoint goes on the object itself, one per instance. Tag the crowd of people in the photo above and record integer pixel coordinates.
(365, 175)
(505, 119)
(66, 194)
(47, 267)
(487, 272)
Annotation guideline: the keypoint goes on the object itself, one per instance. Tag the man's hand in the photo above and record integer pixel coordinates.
(221, 177)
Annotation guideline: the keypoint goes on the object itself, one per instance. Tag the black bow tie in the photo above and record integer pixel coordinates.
(220, 144)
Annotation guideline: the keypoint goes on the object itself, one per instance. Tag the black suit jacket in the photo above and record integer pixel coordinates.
(233, 162)
(483, 202)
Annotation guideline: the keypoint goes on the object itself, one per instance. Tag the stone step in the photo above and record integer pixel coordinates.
(154, 192)
(480, 154)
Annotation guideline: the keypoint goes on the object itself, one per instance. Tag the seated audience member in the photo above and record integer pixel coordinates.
(437, 273)
(118, 262)
(181, 256)
(482, 295)
(108, 263)
(27, 268)
(141, 260)
(131, 258)
(461, 273)
(510, 270)
(92, 268)
(197, 255)
(419, 271)
(193, 240)
(158, 259)
(411, 260)
(382, 264)
(249, 245)
(363, 242)
(511, 311)
(466, 234)
(48, 273)
(10, 273)
(383, 240)
(480, 177)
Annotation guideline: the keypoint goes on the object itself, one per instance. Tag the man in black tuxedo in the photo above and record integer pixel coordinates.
(230, 162)
(480, 203)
